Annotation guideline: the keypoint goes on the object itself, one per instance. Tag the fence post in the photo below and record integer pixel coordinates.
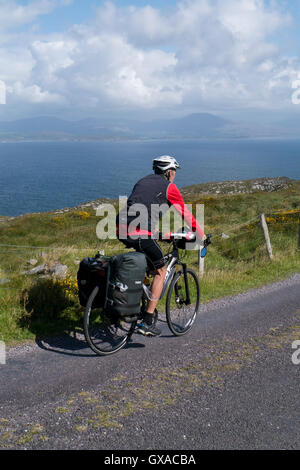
(200, 262)
(266, 234)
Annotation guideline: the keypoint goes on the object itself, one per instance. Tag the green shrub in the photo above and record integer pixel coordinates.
(46, 299)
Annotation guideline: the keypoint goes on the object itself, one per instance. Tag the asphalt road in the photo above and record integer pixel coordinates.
(229, 384)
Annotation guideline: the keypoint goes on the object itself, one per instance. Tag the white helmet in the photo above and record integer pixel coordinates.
(165, 162)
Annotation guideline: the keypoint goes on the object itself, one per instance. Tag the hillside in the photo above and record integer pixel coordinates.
(52, 244)
(198, 190)
(238, 187)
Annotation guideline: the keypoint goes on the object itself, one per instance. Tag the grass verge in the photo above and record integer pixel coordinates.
(31, 306)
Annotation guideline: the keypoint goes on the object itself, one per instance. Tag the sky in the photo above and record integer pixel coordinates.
(74, 59)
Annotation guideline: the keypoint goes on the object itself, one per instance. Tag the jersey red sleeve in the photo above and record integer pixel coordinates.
(175, 199)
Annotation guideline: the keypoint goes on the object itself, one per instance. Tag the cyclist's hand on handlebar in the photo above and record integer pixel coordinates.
(165, 237)
(207, 241)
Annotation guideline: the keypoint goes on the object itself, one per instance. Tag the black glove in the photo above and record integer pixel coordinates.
(207, 241)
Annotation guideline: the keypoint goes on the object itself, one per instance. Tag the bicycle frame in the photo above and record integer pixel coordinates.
(104, 338)
(171, 269)
(172, 259)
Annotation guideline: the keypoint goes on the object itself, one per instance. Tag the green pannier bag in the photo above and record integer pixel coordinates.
(125, 285)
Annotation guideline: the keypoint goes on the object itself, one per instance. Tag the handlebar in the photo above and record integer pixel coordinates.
(170, 237)
(187, 236)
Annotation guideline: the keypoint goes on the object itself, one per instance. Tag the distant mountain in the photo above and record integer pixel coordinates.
(55, 128)
(198, 125)
(193, 125)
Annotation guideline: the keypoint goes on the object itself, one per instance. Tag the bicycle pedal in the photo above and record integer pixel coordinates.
(130, 318)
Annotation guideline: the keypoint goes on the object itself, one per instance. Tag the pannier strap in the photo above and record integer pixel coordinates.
(129, 291)
(134, 291)
(124, 306)
(128, 307)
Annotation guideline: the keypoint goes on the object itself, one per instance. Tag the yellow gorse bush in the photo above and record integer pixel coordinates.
(83, 214)
(69, 285)
(58, 220)
(290, 211)
(284, 217)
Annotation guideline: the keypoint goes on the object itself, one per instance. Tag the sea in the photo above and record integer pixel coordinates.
(44, 176)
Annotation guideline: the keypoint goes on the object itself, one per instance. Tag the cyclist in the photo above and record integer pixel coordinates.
(156, 193)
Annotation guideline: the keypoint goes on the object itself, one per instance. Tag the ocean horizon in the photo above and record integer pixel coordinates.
(45, 176)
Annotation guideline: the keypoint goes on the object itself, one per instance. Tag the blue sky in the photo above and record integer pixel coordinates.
(79, 11)
(155, 58)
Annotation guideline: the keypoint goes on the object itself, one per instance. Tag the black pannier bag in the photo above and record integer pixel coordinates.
(125, 287)
(93, 272)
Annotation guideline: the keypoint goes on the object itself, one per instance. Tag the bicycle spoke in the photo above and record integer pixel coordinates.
(107, 336)
(181, 314)
(104, 332)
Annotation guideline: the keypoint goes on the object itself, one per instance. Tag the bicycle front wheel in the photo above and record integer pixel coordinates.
(182, 309)
(104, 332)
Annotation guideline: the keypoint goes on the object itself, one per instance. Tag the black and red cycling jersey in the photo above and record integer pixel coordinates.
(155, 193)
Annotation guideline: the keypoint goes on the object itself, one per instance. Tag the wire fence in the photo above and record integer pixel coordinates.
(223, 232)
(233, 236)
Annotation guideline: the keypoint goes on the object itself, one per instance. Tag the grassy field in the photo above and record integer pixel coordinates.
(32, 306)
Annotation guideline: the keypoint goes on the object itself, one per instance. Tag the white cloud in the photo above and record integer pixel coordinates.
(13, 14)
(202, 54)
(15, 64)
(33, 94)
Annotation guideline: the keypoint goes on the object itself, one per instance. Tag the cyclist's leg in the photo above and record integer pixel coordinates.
(156, 262)
(156, 288)
(130, 243)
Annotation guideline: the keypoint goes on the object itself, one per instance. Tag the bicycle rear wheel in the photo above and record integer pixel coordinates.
(180, 313)
(104, 332)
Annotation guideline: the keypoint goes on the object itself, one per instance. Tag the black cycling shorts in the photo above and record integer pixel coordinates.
(150, 247)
